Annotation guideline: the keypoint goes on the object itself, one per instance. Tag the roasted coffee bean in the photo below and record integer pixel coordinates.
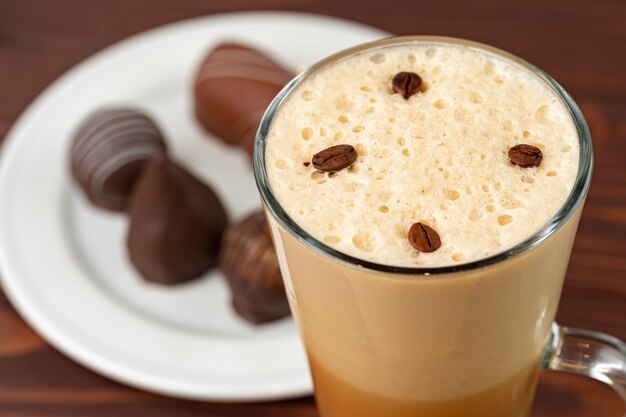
(406, 83)
(525, 156)
(424, 238)
(334, 158)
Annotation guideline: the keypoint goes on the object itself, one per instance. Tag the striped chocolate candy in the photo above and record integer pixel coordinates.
(233, 87)
(108, 152)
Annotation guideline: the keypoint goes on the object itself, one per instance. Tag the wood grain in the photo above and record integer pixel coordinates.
(581, 43)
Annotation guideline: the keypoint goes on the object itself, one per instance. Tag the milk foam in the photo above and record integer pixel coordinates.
(439, 158)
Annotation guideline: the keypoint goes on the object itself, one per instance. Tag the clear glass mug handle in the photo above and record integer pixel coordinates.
(584, 352)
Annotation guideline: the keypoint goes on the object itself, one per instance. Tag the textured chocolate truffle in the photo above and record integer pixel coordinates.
(108, 152)
(249, 262)
(176, 224)
(233, 87)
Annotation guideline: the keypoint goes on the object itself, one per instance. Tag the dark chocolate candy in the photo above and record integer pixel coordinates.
(233, 87)
(176, 224)
(108, 151)
(249, 262)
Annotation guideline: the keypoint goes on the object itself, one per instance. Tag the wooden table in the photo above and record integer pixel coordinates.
(581, 43)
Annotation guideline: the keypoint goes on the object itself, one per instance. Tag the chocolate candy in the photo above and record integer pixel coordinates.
(176, 224)
(249, 262)
(233, 87)
(108, 152)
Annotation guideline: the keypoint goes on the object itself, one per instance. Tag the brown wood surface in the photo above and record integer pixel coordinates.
(582, 43)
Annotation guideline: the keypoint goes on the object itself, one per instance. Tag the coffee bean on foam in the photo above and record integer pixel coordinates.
(525, 156)
(424, 238)
(335, 158)
(108, 152)
(232, 89)
(176, 224)
(406, 83)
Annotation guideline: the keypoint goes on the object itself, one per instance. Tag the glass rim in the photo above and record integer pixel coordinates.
(573, 201)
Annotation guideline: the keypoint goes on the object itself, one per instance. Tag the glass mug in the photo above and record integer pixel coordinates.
(466, 340)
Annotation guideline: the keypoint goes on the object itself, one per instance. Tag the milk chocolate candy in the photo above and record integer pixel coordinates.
(176, 224)
(109, 150)
(233, 87)
(249, 262)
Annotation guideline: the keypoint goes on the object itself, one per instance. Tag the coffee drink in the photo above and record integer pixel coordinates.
(436, 154)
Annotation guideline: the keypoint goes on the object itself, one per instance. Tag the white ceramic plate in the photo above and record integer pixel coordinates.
(63, 262)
